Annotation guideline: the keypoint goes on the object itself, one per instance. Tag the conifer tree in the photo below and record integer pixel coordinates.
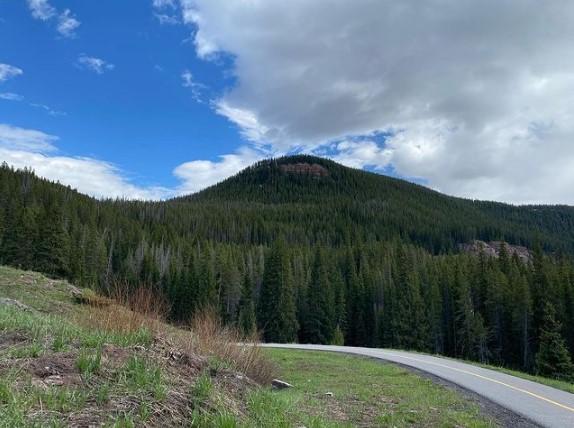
(318, 325)
(276, 315)
(552, 358)
(246, 317)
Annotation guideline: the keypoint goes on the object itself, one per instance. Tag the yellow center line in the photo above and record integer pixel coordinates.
(540, 397)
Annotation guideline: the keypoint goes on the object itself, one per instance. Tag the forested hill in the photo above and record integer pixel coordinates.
(306, 249)
(334, 203)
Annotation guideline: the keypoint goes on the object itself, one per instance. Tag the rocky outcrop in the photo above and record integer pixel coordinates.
(314, 170)
(493, 248)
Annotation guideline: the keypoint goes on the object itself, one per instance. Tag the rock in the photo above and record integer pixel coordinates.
(11, 302)
(54, 380)
(75, 292)
(279, 384)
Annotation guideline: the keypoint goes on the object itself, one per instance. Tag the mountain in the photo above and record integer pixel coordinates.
(306, 249)
(380, 207)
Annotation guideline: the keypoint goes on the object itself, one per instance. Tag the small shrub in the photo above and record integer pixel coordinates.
(225, 345)
(135, 314)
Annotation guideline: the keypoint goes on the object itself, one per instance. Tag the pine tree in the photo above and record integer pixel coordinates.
(276, 314)
(246, 317)
(319, 325)
(552, 358)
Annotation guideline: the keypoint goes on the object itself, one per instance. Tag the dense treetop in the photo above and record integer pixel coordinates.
(306, 249)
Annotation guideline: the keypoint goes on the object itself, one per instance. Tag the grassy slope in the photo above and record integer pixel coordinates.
(59, 368)
(368, 393)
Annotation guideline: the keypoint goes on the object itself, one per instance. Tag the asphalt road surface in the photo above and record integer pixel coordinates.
(539, 403)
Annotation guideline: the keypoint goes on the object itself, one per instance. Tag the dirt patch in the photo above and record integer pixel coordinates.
(55, 370)
(10, 339)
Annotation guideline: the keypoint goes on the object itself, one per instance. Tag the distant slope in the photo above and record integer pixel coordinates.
(382, 207)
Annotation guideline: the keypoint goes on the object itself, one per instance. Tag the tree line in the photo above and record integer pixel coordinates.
(272, 266)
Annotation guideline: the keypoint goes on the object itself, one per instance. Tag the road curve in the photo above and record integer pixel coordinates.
(539, 403)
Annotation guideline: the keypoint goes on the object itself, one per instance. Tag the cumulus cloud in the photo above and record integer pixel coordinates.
(28, 148)
(25, 139)
(199, 174)
(361, 154)
(41, 9)
(8, 71)
(97, 65)
(477, 97)
(66, 22)
(91, 176)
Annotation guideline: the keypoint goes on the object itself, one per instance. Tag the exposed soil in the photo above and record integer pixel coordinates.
(9, 339)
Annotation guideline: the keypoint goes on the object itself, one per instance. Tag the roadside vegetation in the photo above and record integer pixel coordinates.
(69, 357)
(349, 391)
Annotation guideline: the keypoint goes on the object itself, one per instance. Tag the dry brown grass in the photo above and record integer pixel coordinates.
(212, 339)
(127, 311)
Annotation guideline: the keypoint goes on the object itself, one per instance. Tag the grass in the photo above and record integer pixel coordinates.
(120, 365)
(366, 393)
(555, 383)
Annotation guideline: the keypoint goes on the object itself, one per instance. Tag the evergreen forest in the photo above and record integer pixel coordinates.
(303, 249)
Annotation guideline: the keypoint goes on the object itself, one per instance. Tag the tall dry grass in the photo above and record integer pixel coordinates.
(127, 311)
(209, 337)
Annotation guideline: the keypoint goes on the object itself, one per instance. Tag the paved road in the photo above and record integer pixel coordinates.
(542, 404)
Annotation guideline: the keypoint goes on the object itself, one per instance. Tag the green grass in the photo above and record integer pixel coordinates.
(142, 375)
(365, 393)
(38, 327)
(35, 290)
(555, 383)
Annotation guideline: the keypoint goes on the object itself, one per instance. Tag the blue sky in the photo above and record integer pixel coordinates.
(156, 98)
(137, 115)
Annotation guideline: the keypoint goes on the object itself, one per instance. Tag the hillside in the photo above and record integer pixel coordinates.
(71, 358)
(305, 249)
(380, 207)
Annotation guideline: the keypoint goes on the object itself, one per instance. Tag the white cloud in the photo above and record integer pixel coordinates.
(67, 24)
(246, 120)
(28, 148)
(10, 96)
(91, 176)
(199, 174)
(41, 9)
(479, 96)
(188, 81)
(165, 19)
(161, 4)
(94, 64)
(48, 109)
(361, 154)
(8, 71)
(25, 139)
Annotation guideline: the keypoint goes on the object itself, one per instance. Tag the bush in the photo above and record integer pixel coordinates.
(211, 338)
